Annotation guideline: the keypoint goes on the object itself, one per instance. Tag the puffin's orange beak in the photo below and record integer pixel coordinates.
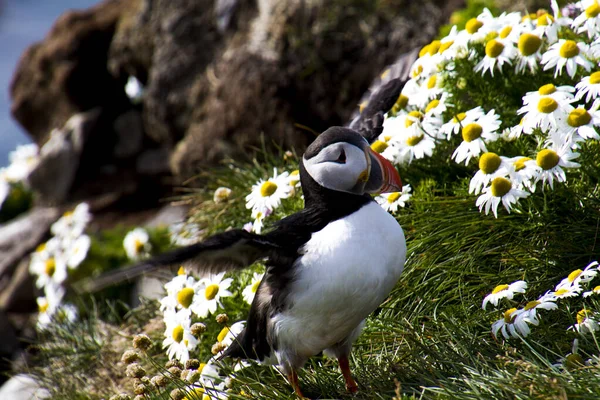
(384, 177)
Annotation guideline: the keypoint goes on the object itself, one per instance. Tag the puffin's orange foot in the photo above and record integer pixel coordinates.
(351, 385)
(293, 378)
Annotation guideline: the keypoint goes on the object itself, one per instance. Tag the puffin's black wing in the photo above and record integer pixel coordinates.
(234, 249)
(370, 121)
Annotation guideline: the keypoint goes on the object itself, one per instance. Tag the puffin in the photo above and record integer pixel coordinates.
(328, 266)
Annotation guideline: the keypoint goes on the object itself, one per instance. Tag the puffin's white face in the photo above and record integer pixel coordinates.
(340, 166)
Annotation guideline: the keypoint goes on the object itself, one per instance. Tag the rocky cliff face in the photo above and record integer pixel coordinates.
(217, 75)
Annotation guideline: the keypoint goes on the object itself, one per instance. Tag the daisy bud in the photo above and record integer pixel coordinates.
(217, 348)
(574, 361)
(121, 396)
(145, 380)
(192, 376)
(135, 371)
(130, 356)
(140, 397)
(192, 363)
(177, 394)
(142, 342)
(159, 381)
(173, 363)
(140, 389)
(222, 319)
(176, 371)
(221, 195)
(197, 329)
(288, 155)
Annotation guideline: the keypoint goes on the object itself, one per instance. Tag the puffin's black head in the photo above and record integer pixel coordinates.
(340, 159)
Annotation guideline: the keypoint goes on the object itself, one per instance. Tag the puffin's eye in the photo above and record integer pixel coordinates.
(341, 158)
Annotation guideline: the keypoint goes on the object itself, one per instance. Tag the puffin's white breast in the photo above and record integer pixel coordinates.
(347, 269)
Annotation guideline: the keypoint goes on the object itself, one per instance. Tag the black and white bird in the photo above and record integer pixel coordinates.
(328, 266)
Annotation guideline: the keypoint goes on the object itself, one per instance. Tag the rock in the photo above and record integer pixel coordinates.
(60, 157)
(19, 237)
(23, 387)
(130, 134)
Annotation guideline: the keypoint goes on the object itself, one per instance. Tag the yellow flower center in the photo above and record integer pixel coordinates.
(547, 89)
(181, 271)
(211, 291)
(493, 48)
(574, 275)
(41, 248)
(185, 297)
(268, 188)
(545, 19)
(417, 71)
(431, 82)
(432, 104)
(414, 140)
(489, 163)
(68, 214)
(593, 10)
(473, 25)
(177, 333)
(547, 105)
(392, 197)
(459, 117)
(529, 17)
(138, 246)
(520, 163)
(508, 315)
(579, 117)
(43, 307)
(201, 367)
(505, 32)
(582, 315)
(413, 116)
(424, 50)
(531, 304)
(434, 47)
(500, 186)
(568, 49)
(560, 292)
(547, 159)
(491, 35)
(50, 267)
(595, 78)
(445, 46)
(596, 289)
(379, 146)
(472, 132)
(222, 334)
(402, 101)
(362, 106)
(499, 288)
(255, 285)
(529, 44)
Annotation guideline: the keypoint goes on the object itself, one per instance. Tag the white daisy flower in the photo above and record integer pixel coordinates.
(134, 89)
(550, 163)
(420, 94)
(501, 190)
(49, 269)
(221, 194)
(497, 53)
(587, 321)
(579, 124)
(413, 144)
(184, 233)
(267, 194)
(589, 19)
(567, 291)
(183, 294)
(567, 53)
(579, 276)
(588, 87)
(529, 55)
(560, 94)
(511, 325)
(595, 290)
(215, 287)
(490, 166)
(504, 291)
(178, 337)
(22, 161)
(448, 45)
(514, 132)
(391, 201)
(435, 109)
(523, 175)
(77, 251)
(49, 304)
(250, 290)
(545, 114)
(549, 25)
(461, 119)
(137, 244)
(529, 314)
(294, 178)
(73, 222)
(228, 334)
(475, 135)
